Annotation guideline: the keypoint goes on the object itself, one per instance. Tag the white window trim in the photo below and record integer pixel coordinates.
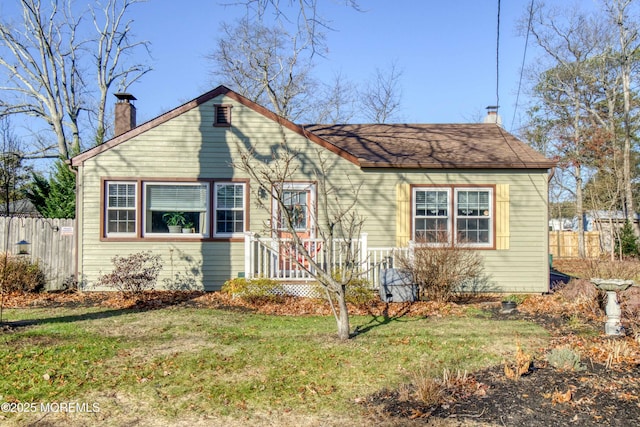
(449, 217)
(215, 209)
(204, 232)
(452, 224)
(491, 215)
(107, 209)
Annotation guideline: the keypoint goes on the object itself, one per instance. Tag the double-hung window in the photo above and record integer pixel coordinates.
(184, 205)
(229, 209)
(474, 217)
(120, 208)
(169, 209)
(432, 215)
(453, 215)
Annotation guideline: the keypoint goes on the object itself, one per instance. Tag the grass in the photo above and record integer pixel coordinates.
(206, 365)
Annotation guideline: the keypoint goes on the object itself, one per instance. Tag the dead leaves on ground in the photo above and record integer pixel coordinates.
(292, 306)
(561, 396)
(514, 371)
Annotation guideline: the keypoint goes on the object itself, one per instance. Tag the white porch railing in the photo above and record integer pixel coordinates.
(381, 258)
(278, 259)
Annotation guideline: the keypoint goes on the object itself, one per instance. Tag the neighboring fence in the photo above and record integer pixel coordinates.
(564, 244)
(51, 244)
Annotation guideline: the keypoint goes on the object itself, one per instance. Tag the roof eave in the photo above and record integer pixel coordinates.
(476, 165)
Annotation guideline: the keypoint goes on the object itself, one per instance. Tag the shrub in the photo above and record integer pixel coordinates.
(70, 283)
(627, 269)
(517, 298)
(627, 242)
(359, 292)
(135, 273)
(521, 364)
(19, 274)
(616, 351)
(255, 291)
(565, 359)
(429, 391)
(440, 271)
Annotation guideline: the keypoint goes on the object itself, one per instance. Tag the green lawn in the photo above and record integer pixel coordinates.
(214, 367)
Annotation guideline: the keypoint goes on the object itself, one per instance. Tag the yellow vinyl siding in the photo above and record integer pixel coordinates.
(502, 216)
(190, 147)
(403, 214)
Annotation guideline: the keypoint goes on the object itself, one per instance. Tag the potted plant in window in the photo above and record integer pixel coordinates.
(187, 227)
(175, 221)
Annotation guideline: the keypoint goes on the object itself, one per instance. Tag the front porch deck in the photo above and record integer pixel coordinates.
(279, 260)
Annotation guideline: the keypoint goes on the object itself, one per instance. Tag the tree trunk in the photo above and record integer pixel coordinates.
(578, 177)
(58, 129)
(344, 331)
(580, 213)
(626, 55)
(629, 207)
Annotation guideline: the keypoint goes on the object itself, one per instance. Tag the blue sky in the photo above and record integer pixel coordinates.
(446, 49)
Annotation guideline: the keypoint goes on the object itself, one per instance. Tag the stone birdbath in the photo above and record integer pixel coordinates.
(612, 326)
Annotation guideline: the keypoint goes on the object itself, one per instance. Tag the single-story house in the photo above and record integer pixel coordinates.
(415, 181)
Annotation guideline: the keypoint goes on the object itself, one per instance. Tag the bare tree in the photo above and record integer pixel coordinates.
(627, 55)
(113, 47)
(571, 40)
(45, 57)
(42, 66)
(304, 14)
(13, 171)
(594, 59)
(338, 224)
(381, 97)
(337, 103)
(267, 65)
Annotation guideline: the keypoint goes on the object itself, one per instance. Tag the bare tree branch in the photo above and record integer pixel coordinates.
(304, 14)
(266, 65)
(112, 49)
(338, 225)
(37, 64)
(381, 97)
(46, 56)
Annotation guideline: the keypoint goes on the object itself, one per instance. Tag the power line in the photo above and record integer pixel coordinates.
(524, 56)
(498, 62)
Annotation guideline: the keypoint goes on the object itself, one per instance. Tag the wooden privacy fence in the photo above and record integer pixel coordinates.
(564, 244)
(51, 244)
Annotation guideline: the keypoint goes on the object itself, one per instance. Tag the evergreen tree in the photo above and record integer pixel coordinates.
(56, 197)
(627, 243)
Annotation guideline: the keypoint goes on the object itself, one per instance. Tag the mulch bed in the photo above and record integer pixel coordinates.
(607, 392)
(545, 397)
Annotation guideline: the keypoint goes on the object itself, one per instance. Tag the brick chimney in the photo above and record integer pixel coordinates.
(125, 113)
(493, 116)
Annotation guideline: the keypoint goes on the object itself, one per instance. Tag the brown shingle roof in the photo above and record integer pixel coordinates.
(432, 146)
(394, 146)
